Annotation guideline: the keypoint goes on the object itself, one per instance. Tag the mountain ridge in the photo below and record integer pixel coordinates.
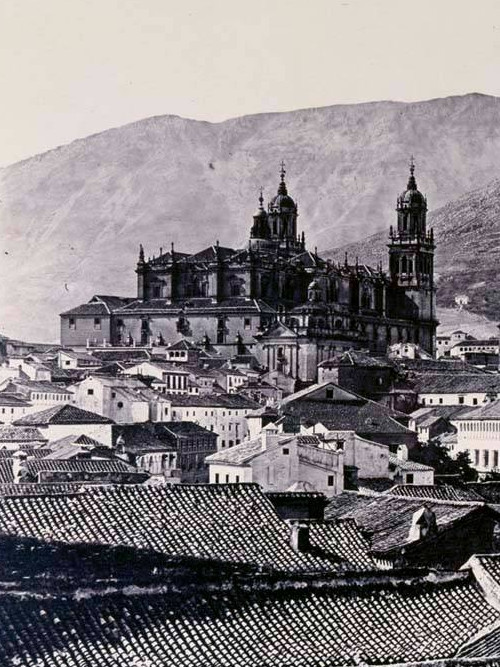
(72, 218)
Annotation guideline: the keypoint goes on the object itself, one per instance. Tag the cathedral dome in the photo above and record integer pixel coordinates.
(412, 196)
(282, 200)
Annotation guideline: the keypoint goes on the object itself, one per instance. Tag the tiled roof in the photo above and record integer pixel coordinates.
(141, 438)
(242, 453)
(429, 366)
(62, 414)
(36, 386)
(490, 491)
(127, 354)
(95, 309)
(229, 523)
(181, 428)
(344, 540)
(76, 445)
(489, 411)
(453, 383)
(331, 626)
(31, 452)
(356, 358)
(9, 433)
(389, 518)
(12, 401)
(408, 465)
(369, 418)
(444, 492)
(231, 401)
(99, 305)
(89, 466)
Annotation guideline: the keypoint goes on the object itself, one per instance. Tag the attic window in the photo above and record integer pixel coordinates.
(90, 392)
(97, 323)
(286, 451)
(329, 393)
(72, 323)
(247, 323)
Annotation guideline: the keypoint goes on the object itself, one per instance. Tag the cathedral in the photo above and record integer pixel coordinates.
(275, 298)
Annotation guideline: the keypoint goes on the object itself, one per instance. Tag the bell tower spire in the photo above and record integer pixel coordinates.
(411, 261)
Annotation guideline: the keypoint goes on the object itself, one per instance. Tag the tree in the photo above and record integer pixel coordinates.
(436, 455)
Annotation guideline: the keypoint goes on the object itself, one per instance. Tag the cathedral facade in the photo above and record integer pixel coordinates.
(275, 297)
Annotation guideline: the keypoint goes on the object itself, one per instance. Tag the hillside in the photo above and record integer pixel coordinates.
(72, 218)
(467, 233)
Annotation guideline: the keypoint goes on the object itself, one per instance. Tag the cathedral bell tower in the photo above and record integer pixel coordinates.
(411, 248)
(411, 263)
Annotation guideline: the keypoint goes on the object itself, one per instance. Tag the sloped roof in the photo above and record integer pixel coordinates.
(356, 358)
(11, 433)
(489, 411)
(410, 466)
(433, 492)
(89, 466)
(398, 624)
(229, 523)
(62, 414)
(389, 518)
(455, 383)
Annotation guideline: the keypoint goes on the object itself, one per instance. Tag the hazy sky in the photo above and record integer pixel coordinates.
(69, 68)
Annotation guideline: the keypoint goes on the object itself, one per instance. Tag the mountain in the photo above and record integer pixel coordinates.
(467, 233)
(71, 219)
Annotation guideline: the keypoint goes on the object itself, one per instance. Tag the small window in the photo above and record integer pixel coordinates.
(461, 400)
(97, 323)
(409, 478)
(237, 479)
(441, 401)
(223, 443)
(286, 451)
(216, 477)
(67, 363)
(247, 323)
(72, 323)
(329, 393)
(90, 392)
(474, 401)
(113, 394)
(227, 479)
(231, 443)
(331, 480)
(119, 404)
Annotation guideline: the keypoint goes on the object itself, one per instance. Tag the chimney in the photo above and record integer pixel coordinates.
(299, 537)
(423, 524)
(19, 469)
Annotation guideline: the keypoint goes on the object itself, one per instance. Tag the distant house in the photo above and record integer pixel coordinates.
(21, 437)
(223, 414)
(406, 472)
(139, 445)
(359, 372)
(457, 389)
(40, 394)
(340, 410)
(31, 369)
(430, 422)
(280, 462)
(12, 407)
(124, 400)
(478, 434)
(70, 360)
(444, 342)
(168, 377)
(472, 346)
(62, 420)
